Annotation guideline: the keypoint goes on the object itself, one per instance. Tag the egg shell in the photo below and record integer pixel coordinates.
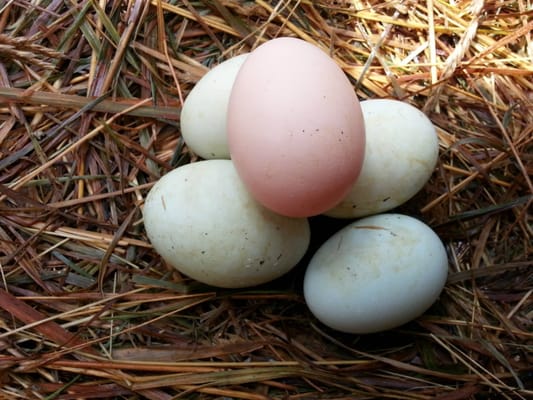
(201, 220)
(376, 274)
(401, 152)
(295, 128)
(203, 116)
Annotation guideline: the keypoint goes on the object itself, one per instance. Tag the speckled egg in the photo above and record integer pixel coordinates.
(401, 152)
(376, 274)
(202, 221)
(295, 128)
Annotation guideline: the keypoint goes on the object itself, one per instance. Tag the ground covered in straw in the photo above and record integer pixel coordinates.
(90, 93)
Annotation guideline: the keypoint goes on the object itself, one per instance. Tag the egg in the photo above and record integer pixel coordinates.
(376, 274)
(401, 152)
(203, 116)
(295, 128)
(202, 221)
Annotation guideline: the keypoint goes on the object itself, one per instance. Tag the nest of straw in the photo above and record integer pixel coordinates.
(90, 93)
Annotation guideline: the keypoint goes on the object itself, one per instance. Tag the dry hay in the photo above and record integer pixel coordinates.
(89, 119)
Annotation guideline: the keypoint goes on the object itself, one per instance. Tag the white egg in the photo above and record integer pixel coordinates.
(376, 274)
(203, 116)
(201, 220)
(401, 152)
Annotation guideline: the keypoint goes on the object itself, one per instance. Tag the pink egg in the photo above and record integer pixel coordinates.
(295, 128)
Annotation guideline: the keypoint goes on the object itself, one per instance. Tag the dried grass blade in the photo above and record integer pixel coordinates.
(80, 23)
(98, 104)
(117, 237)
(139, 8)
(210, 21)
(46, 327)
(113, 34)
(234, 21)
(499, 356)
(72, 147)
(155, 354)
(222, 378)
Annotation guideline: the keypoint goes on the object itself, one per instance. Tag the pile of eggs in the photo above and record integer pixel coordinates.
(283, 137)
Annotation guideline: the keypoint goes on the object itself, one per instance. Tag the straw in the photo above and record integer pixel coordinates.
(90, 96)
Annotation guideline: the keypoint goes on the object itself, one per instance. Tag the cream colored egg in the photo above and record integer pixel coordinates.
(401, 152)
(203, 117)
(201, 220)
(376, 274)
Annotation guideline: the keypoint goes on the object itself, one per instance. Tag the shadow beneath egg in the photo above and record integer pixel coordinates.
(322, 228)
